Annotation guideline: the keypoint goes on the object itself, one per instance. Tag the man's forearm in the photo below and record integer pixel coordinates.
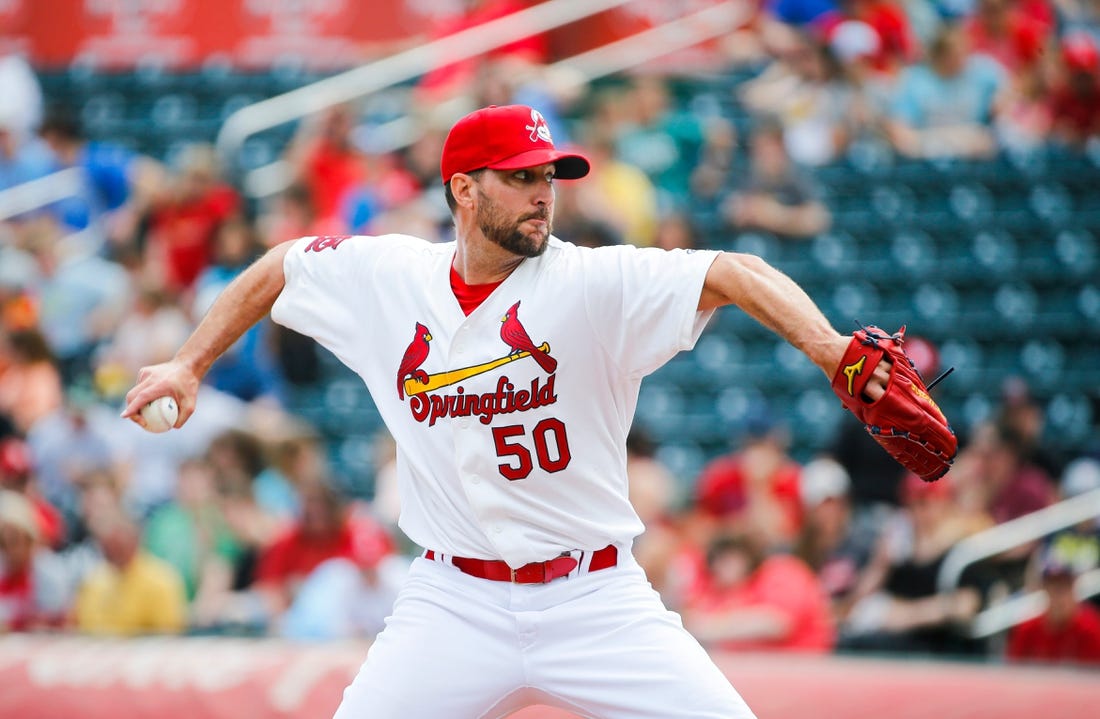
(775, 301)
(242, 304)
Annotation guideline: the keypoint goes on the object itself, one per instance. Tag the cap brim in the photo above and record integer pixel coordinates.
(568, 165)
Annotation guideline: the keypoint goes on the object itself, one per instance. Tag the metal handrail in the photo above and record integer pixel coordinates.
(679, 34)
(403, 66)
(1007, 614)
(34, 194)
(616, 56)
(991, 542)
(1015, 532)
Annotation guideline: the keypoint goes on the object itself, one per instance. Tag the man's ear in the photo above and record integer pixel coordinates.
(464, 189)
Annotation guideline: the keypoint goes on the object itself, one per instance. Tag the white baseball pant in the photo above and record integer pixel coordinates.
(599, 644)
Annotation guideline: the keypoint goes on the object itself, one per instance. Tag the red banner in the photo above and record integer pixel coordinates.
(42, 677)
(174, 678)
(185, 33)
(322, 34)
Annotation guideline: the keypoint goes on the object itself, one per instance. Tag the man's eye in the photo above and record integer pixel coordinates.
(522, 175)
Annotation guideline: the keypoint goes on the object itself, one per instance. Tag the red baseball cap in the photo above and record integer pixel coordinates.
(1080, 53)
(506, 137)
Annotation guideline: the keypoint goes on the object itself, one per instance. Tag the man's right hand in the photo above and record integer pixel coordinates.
(174, 379)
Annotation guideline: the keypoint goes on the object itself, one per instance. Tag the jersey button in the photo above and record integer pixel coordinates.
(475, 480)
(498, 529)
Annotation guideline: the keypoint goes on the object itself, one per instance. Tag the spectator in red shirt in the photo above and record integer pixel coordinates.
(1003, 31)
(327, 162)
(897, 46)
(755, 487)
(32, 582)
(748, 602)
(183, 225)
(17, 474)
(1075, 101)
(323, 531)
(1068, 632)
(294, 216)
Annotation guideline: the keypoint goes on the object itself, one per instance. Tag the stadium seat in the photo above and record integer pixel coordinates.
(914, 253)
(855, 301)
(1016, 304)
(1088, 302)
(994, 252)
(894, 204)
(1077, 253)
(1051, 202)
(835, 252)
(102, 112)
(1070, 418)
(174, 111)
(971, 202)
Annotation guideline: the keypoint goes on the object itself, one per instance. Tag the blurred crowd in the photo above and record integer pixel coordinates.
(240, 523)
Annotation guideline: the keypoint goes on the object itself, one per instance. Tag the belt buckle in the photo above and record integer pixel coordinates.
(528, 571)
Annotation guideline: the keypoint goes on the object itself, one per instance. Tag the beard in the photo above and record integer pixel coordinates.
(505, 232)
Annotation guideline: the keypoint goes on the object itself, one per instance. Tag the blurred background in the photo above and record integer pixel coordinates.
(928, 162)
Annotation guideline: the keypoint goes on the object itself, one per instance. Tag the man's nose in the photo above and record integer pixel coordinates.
(544, 193)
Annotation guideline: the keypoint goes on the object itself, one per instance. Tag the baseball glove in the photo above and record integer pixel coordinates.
(904, 420)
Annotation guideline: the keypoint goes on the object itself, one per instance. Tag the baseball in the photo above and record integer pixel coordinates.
(160, 415)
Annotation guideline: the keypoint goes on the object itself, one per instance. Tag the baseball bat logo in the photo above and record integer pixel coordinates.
(413, 381)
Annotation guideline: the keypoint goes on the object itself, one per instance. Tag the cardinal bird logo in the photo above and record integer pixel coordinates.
(414, 357)
(516, 337)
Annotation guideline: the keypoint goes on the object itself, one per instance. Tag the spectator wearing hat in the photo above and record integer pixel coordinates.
(1081, 541)
(33, 591)
(1068, 631)
(897, 46)
(750, 602)
(830, 544)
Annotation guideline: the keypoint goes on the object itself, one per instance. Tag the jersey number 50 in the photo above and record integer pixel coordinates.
(511, 442)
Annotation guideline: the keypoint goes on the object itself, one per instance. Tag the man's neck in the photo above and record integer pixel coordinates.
(478, 261)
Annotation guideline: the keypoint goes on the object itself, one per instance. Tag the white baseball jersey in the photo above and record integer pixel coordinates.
(502, 453)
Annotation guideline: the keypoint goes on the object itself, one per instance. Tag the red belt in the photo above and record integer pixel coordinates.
(533, 573)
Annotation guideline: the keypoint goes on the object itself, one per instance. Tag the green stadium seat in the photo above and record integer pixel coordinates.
(914, 253)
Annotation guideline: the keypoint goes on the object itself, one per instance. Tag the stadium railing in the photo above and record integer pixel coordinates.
(1014, 533)
(41, 192)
